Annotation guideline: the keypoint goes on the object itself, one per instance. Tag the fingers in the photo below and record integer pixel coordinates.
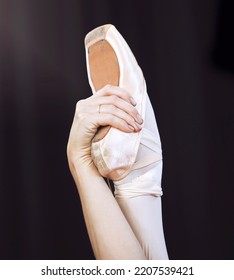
(119, 98)
(121, 104)
(113, 110)
(120, 92)
(111, 120)
(112, 106)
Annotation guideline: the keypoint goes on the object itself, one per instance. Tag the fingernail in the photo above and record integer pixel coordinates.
(139, 126)
(133, 102)
(139, 118)
(131, 127)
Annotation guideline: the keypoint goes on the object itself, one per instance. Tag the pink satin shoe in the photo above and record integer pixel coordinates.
(110, 61)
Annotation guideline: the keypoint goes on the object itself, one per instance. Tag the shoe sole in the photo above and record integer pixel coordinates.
(103, 66)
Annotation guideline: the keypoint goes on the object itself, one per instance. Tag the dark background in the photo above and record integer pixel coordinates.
(185, 49)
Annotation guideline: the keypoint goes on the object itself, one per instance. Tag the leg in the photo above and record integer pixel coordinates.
(133, 161)
(139, 193)
(144, 215)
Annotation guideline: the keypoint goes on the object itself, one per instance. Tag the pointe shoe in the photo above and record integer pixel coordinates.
(111, 62)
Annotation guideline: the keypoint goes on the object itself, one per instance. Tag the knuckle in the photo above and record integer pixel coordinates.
(130, 111)
(133, 111)
(81, 116)
(131, 119)
(106, 87)
(112, 119)
(79, 105)
(114, 99)
(104, 90)
(125, 94)
(79, 113)
(112, 108)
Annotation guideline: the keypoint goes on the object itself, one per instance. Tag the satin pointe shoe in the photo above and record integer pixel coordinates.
(111, 62)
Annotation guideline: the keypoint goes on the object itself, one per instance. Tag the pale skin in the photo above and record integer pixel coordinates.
(110, 234)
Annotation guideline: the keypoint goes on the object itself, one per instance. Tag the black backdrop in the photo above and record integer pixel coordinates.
(184, 48)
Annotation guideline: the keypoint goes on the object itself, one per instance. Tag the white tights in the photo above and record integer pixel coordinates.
(144, 215)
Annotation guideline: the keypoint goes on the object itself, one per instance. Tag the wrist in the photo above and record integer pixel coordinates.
(82, 168)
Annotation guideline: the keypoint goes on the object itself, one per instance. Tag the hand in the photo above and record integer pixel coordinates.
(110, 106)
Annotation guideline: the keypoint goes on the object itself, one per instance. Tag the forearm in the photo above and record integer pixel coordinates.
(109, 232)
